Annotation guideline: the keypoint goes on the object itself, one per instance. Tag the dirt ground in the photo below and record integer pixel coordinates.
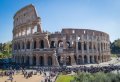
(20, 78)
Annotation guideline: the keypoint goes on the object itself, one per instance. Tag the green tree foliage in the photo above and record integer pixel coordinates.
(115, 46)
(5, 50)
(97, 77)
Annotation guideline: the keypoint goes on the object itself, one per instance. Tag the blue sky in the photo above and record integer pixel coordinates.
(102, 15)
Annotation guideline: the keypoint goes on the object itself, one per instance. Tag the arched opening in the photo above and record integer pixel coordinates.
(85, 46)
(99, 58)
(49, 61)
(94, 47)
(28, 44)
(60, 60)
(34, 60)
(60, 43)
(35, 29)
(41, 60)
(79, 45)
(41, 44)
(68, 60)
(80, 59)
(85, 59)
(91, 59)
(90, 45)
(23, 45)
(34, 44)
(22, 59)
(52, 45)
(101, 46)
(68, 44)
(27, 60)
(19, 46)
(95, 59)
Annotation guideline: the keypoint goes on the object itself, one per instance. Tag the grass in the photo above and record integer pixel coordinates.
(65, 78)
(114, 55)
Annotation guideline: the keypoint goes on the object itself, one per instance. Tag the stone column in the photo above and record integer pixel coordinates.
(45, 60)
(72, 59)
(82, 46)
(88, 59)
(26, 31)
(77, 44)
(88, 47)
(31, 60)
(24, 59)
(25, 47)
(64, 42)
(82, 59)
(93, 61)
(87, 44)
(37, 60)
(31, 44)
(31, 30)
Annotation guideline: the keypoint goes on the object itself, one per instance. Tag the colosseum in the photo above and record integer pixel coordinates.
(34, 47)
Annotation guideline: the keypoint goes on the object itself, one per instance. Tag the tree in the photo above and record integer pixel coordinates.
(115, 46)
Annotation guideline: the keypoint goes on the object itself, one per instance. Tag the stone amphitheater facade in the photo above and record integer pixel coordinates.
(32, 46)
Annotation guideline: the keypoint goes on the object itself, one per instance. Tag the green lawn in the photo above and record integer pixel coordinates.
(64, 78)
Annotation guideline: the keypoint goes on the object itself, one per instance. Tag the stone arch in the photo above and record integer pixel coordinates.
(68, 60)
(79, 45)
(90, 45)
(99, 59)
(59, 59)
(85, 59)
(42, 44)
(49, 61)
(22, 60)
(52, 45)
(80, 59)
(60, 43)
(102, 46)
(23, 45)
(85, 46)
(28, 44)
(68, 44)
(34, 60)
(27, 60)
(91, 59)
(35, 43)
(95, 59)
(41, 60)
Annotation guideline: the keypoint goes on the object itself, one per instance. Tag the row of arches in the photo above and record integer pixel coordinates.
(21, 45)
(34, 60)
(95, 46)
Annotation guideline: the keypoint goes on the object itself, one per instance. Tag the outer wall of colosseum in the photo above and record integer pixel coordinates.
(32, 46)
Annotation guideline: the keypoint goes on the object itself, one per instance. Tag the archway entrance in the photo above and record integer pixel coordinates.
(85, 59)
(91, 59)
(95, 59)
(68, 60)
(34, 60)
(27, 60)
(52, 45)
(49, 61)
(80, 59)
(22, 60)
(41, 44)
(41, 61)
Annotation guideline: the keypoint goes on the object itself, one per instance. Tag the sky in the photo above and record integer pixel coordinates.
(101, 15)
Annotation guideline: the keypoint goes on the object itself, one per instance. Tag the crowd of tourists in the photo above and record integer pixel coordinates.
(50, 72)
